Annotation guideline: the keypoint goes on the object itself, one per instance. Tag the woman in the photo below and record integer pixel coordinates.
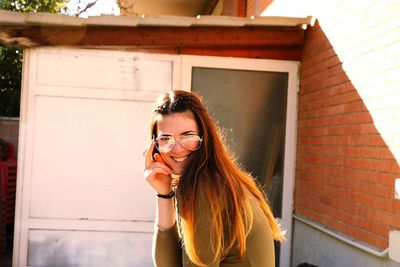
(209, 212)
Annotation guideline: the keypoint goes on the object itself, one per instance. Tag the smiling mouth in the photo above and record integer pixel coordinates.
(180, 159)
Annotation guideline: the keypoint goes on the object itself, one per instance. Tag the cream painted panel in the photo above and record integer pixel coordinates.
(89, 249)
(103, 70)
(84, 125)
(87, 160)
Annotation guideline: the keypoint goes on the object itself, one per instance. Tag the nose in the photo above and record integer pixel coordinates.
(178, 147)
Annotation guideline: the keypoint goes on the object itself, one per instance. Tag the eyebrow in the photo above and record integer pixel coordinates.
(184, 133)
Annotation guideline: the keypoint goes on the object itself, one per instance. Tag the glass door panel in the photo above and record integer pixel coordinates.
(254, 102)
(250, 109)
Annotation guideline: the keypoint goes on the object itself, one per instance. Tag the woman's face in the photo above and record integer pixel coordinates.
(177, 125)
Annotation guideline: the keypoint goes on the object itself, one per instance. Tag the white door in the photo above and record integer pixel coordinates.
(254, 103)
(81, 196)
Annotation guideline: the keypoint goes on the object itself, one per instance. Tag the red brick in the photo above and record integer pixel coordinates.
(339, 226)
(395, 221)
(395, 167)
(325, 92)
(339, 140)
(386, 153)
(326, 200)
(330, 63)
(385, 178)
(359, 234)
(373, 201)
(319, 57)
(314, 33)
(320, 73)
(317, 76)
(377, 190)
(371, 140)
(395, 204)
(360, 117)
(378, 242)
(332, 106)
(345, 205)
(379, 215)
(343, 151)
(353, 118)
(318, 217)
(318, 45)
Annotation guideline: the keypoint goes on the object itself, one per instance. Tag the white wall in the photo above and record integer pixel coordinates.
(315, 247)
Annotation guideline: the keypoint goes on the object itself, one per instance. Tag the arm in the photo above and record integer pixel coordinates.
(166, 249)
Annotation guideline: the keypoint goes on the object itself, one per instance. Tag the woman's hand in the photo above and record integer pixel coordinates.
(156, 172)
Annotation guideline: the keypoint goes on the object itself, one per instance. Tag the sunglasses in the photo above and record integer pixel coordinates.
(165, 143)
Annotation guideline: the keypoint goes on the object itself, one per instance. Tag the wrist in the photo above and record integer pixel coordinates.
(170, 195)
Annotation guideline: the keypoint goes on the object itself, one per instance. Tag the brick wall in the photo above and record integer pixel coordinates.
(9, 128)
(347, 157)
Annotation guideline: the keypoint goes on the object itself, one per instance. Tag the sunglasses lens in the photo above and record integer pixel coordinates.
(165, 144)
(191, 142)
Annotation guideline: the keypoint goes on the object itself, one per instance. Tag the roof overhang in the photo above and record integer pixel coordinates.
(157, 33)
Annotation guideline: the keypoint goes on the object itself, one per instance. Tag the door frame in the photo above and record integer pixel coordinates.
(292, 68)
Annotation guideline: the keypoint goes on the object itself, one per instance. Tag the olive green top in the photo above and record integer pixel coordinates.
(168, 251)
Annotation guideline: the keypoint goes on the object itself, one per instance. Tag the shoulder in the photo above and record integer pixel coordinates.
(260, 221)
(260, 244)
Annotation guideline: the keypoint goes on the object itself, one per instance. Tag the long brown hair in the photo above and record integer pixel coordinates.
(214, 175)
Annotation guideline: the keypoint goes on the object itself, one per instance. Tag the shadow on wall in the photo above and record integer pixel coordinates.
(345, 171)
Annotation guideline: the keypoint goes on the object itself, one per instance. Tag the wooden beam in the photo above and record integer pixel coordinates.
(176, 37)
(235, 8)
(292, 53)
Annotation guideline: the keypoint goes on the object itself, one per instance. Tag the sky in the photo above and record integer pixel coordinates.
(101, 7)
(110, 7)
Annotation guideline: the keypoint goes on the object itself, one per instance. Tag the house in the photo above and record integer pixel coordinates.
(335, 152)
(348, 154)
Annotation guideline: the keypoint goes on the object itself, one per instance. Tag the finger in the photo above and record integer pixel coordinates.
(151, 173)
(157, 166)
(162, 165)
(159, 170)
(148, 155)
(158, 158)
